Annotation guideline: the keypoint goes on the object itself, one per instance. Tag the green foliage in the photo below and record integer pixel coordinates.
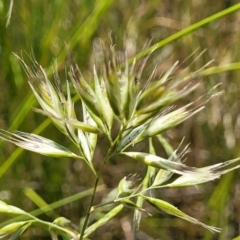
(123, 102)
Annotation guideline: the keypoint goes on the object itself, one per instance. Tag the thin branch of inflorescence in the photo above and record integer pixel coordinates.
(98, 177)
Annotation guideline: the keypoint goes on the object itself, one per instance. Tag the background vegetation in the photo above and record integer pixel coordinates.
(59, 29)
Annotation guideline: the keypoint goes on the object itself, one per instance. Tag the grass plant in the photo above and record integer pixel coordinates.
(118, 110)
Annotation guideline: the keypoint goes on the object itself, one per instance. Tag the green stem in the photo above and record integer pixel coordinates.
(108, 155)
(49, 225)
(90, 207)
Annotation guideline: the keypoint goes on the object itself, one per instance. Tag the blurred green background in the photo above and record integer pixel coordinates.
(58, 29)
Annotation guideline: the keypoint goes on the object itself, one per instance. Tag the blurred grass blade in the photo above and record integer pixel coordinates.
(220, 69)
(53, 235)
(54, 205)
(219, 202)
(84, 31)
(21, 112)
(103, 220)
(16, 153)
(186, 31)
(30, 193)
(236, 238)
(9, 13)
(170, 209)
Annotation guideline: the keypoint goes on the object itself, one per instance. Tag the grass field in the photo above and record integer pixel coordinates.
(58, 31)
